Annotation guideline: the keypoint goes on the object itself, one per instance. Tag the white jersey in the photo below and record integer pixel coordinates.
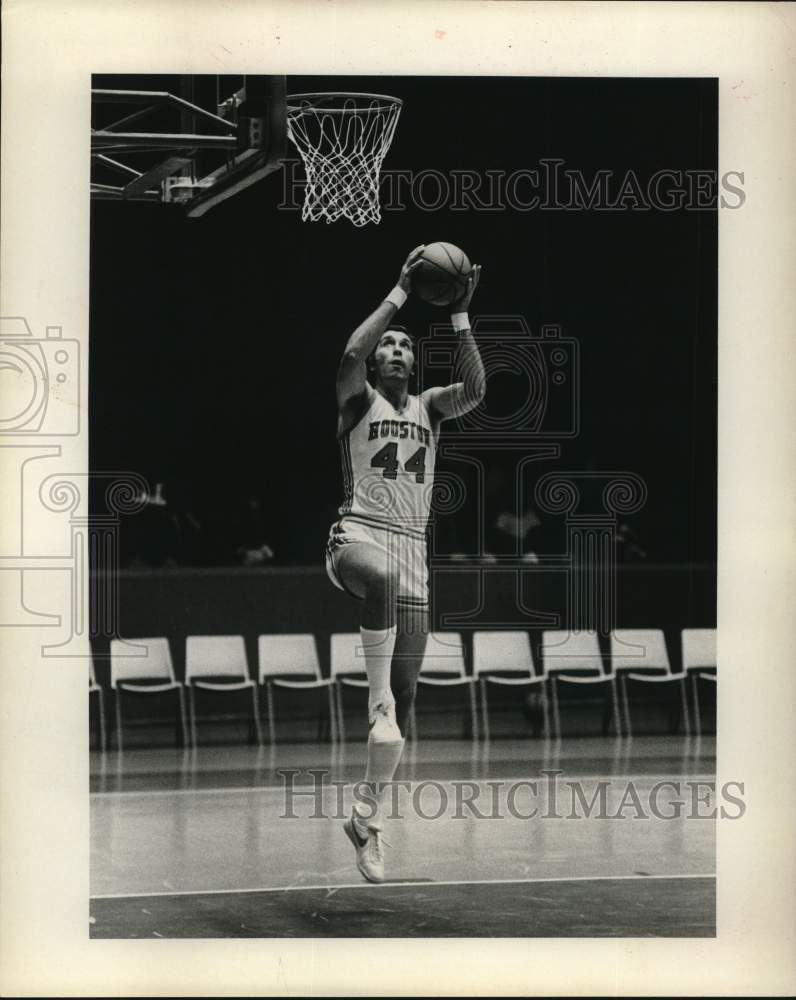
(388, 465)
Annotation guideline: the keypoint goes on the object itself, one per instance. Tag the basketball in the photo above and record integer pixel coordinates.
(442, 276)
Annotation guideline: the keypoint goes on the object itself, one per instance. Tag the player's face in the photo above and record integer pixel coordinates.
(394, 357)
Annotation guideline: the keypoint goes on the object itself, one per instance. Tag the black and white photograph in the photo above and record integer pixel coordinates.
(421, 435)
(383, 497)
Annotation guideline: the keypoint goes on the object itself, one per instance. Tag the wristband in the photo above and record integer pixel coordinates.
(461, 321)
(397, 297)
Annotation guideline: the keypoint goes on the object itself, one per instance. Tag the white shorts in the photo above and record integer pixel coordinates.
(403, 551)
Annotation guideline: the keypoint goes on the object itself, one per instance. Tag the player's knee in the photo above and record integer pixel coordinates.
(383, 584)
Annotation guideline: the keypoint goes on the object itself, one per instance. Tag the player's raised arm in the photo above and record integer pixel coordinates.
(464, 395)
(351, 374)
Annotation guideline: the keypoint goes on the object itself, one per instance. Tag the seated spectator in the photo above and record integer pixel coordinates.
(152, 535)
(628, 546)
(250, 533)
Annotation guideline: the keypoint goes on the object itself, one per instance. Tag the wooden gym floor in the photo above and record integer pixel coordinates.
(197, 844)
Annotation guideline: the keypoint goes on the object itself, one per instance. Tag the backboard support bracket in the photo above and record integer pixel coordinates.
(247, 137)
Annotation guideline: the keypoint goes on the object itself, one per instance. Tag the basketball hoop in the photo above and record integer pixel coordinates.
(343, 139)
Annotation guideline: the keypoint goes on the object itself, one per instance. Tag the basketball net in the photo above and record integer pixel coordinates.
(343, 139)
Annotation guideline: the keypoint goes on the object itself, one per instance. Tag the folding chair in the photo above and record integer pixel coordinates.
(291, 661)
(218, 656)
(639, 654)
(502, 653)
(94, 688)
(578, 652)
(347, 669)
(443, 667)
(699, 663)
(153, 665)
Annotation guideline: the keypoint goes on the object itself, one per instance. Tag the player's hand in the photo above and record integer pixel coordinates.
(462, 304)
(411, 262)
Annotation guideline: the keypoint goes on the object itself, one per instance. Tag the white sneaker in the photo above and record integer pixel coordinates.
(370, 850)
(383, 725)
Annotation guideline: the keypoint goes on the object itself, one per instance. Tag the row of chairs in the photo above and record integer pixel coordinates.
(501, 658)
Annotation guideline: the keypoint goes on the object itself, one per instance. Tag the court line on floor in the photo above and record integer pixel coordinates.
(303, 789)
(386, 885)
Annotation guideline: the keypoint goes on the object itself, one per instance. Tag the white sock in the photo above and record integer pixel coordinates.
(378, 644)
(383, 760)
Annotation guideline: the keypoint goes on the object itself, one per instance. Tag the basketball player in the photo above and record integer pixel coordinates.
(377, 550)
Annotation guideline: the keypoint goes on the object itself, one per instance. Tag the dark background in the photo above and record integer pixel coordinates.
(214, 341)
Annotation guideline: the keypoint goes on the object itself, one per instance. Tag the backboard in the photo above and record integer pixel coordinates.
(195, 144)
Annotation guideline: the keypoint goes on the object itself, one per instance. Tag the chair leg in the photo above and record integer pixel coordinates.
(269, 703)
(192, 714)
(119, 738)
(615, 703)
(340, 713)
(184, 728)
(484, 710)
(473, 710)
(556, 713)
(256, 714)
(684, 703)
(322, 720)
(697, 713)
(545, 712)
(625, 704)
(332, 714)
(102, 728)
